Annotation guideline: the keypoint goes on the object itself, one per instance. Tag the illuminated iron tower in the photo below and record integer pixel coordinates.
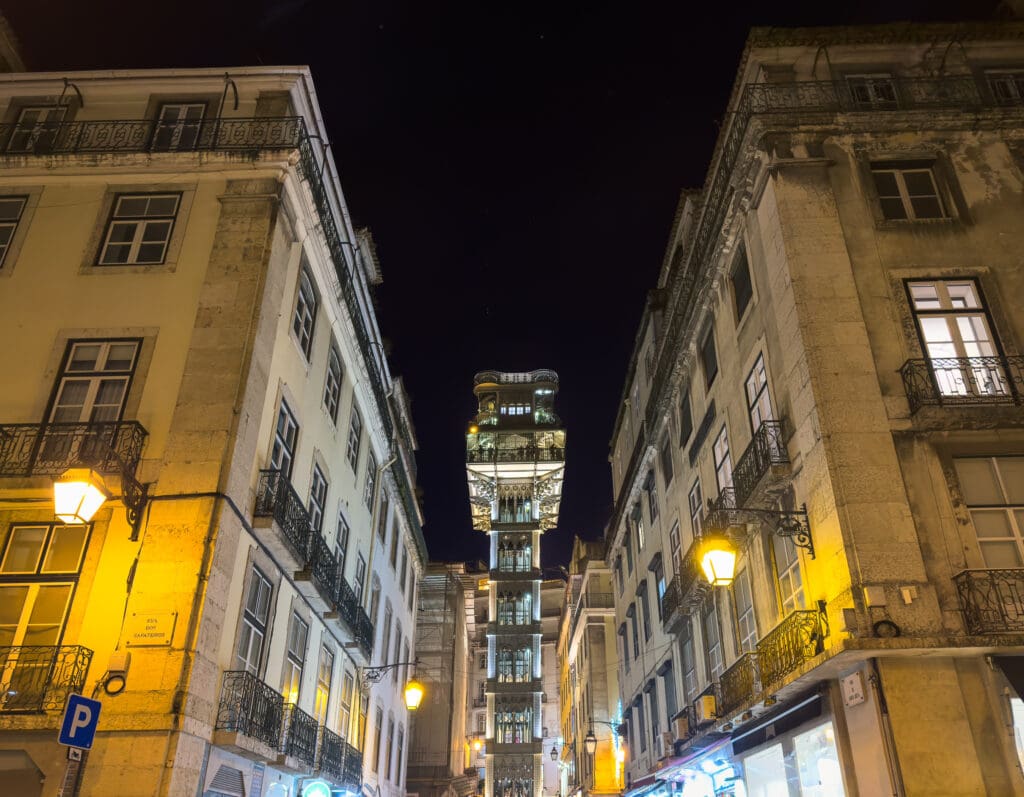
(515, 458)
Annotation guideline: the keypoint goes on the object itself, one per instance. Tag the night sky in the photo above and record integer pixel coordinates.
(519, 165)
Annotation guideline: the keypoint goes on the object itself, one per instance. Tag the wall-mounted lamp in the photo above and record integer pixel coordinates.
(718, 560)
(554, 752)
(78, 493)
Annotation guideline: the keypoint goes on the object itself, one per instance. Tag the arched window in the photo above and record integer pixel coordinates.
(506, 665)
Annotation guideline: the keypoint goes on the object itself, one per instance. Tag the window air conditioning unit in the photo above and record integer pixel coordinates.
(705, 709)
(682, 726)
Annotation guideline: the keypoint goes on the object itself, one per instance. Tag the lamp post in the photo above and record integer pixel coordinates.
(414, 690)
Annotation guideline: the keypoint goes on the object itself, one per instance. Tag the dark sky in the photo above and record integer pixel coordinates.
(518, 163)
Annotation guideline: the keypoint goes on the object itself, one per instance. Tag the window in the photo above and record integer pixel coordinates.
(957, 339)
(324, 673)
(689, 661)
(618, 573)
(399, 759)
(254, 622)
(94, 379)
(641, 723)
(370, 483)
(374, 599)
(482, 661)
(355, 435)
(139, 229)
(36, 129)
(708, 358)
(317, 499)
(638, 523)
(627, 543)
(404, 568)
(746, 622)
(645, 609)
(1006, 85)
(712, 639)
(631, 614)
(178, 125)
(993, 489)
(382, 516)
(398, 647)
(341, 543)
(625, 647)
(377, 727)
(907, 190)
(348, 687)
(11, 208)
(666, 461)
(286, 434)
(685, 418)
(393, 554)
(291, 681)
(385, 637)
(412, 587)
(787, 565)
(651, 490)
(357, 585)
(742, 289)
(389, 753)
(876, 90)
(695, 500)
(659, 584)
(332, 386)
(669, 685)
(673, 541)
(649, 365)
(723, 462)
(651, 691)
(305, 312)
(759, 403)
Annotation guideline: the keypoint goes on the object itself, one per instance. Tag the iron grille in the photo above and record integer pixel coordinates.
(299, 737)
(671, 600)
(693, 586)
(352, 771)
(332, 754)
(992, 601)
(276, 498)
(765, 450)
(37, 678)
(364, 631)
(528, 453)
(38, 449)
(798, 638)
(323, 564)
(250, 707)
(739, 684)
(963, 381)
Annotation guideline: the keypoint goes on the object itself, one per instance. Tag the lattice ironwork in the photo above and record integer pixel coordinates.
(739, 684)
(726, 517)
(352, 769)
(515, 378)
(331, 756)
(49, 449)
(992, 601)
(766, 450)
(299, 735)
(963, 381)
(693, 586)
(250, 707)
(798, 638)
(364, 631)
(37, 678)
(276, 498)
(323, 565)
(671, 600)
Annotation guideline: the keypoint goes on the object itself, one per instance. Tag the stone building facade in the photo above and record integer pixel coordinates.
(827, 381)
(187, 310)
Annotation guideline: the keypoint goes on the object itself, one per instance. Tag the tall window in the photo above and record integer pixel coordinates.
(286, 434)
(177, 127)
(668, 682)
(11, 208)
(341, 542)
(625, 647)
(695, 500)
(631, 614)
(355, 436)
(659, 583)
(746, 622)
(357, 584)
(255, 614)
(513, 725)
(370, 481)
(317, 499)
(398, 648)
(666, 461)
(393, 554)
(627, 544)
(400, 747)
(872, 90)
(389, 744)
(673, 541)
(638, 522)
(94, 380)
(385, 636)
(708, 358)
(305, 312)
(37, 128)
(515, 607)
(412, 587)
(742, 289)
(645, 609)
(651, 490)
(907, 190)
(332, 384)
(689, 660)
(651, 690)
(787, 564)
(759, 403)
(641, 723)
(324, 673)
(377, 730)
(993, 489)
(348, 686)
(402, 570)
(685, 418)
(723, 462)
(405, 657)
(618, 573)
(291, 682)
(139, 229)
(374, 599)
(712, 639)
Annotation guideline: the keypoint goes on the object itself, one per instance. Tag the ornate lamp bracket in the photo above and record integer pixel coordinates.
(793, 524)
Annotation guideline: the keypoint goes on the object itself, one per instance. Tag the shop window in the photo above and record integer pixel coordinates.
(817, 762)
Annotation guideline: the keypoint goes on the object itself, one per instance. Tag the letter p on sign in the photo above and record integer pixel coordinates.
(78, 728)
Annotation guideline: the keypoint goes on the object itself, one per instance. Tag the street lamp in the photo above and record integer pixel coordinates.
(554, 751)
(590, 742)
(718, 560)
(78, 494)
(414, 690)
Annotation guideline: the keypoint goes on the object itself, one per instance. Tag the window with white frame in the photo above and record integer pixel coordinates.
(405, 657)
(873, 90)
(398, 647)
(377, 730)
(304, 317)
(651, 490)
(178, 125)
(286, 435)
(712, 639)
(708, 357)
(638, 522)
(645, 608)
(324, 674)
(402, 570)
(355, 437)
(742, 288)
(382, 516)
(673, 541)
(759, 403)
(255, 614)
(723, 461)
(696, 501)
(787, 565)
(393, 556)
(993, 490)
(37, 128)
(317, 499)
(374, 598)
(295, 655)
(360, 578)
(370, 482)
(666, 461)
(332, 385)
(385, 636)
(341, 542)
(746, 621)
(93, 382)
(348, 687)
(1006, 85)
(908, 190)
(689, 658)
(139, 229)
(11, 208)
(399, 757)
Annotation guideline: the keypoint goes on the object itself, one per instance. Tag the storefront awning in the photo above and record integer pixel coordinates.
(643, 786)
(706, 745)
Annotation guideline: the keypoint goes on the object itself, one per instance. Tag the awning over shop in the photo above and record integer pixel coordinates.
(706, 745)
(776, 722)
(644, 786)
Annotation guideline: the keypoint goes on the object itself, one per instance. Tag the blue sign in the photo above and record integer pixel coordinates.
(78, 728)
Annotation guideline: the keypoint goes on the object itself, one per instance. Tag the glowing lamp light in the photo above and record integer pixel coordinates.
(590, 742)
(718, 560)
(316, 788)
(620, 755)
(474, 429)
(477, 744)
(78, 494)
(413, 694)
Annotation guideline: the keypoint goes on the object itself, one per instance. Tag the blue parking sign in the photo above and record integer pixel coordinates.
(78, 728)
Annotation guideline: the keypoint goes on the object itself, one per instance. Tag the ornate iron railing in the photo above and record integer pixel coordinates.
(739, 684)
(276, 498)
(298, 738)
(693, 586)
(36, 678)
(364, 631)
(625, 486)
(143, 135)
(352, 772)
(765, 450)
(670, 601)
(49, 449)
(250, 707)
(323, 565)
(962, 381)
(331, 757)
(992, 601)
(515, 378)
(798, 638)
(520, 454)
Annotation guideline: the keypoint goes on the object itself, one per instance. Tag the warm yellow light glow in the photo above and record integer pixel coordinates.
(413, 694)
(718, 560)
(620, 755)
(474, 429)
(78, 494)
(477, 745)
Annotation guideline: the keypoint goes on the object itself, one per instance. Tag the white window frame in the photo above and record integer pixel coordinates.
(746, 617)
(286, 439)
(97, 379)
(304, 318)
(723, 460)
(355, 437)
(318, 487)
(370, 481)
(324, 678)
(12, 208)
(695, 499)
(182, 132)
(759, 402)
(294, 659)
(144, 229)
(1002, 514)
(39, 133)
(332, 384)
(255, 621)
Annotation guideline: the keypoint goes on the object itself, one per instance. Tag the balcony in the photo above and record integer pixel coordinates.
(591, 600)
(352, 769)
(39, 678)
(797, 639)
(298, 740)
(331, 758)
(992, 601)
(739, 684)
(49, 449)
(686, 591)
(525, 453)
(277, 499)
(515, 378)
(763, 469)
(963, 382)
(249, 716)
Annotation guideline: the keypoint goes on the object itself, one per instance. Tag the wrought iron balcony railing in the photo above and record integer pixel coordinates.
(671, 600)
(963, 381)
(352, 773)
(766, 449)
(276, 498)
(143, 135)
(364, 631)
(520, 454)
(299, 734)
(798, 638)
(49, 449)
(323, 565)
(739, 684)
(331, 758)
(37, 678)
(250, 707)
(992, 601)
(516, 378)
